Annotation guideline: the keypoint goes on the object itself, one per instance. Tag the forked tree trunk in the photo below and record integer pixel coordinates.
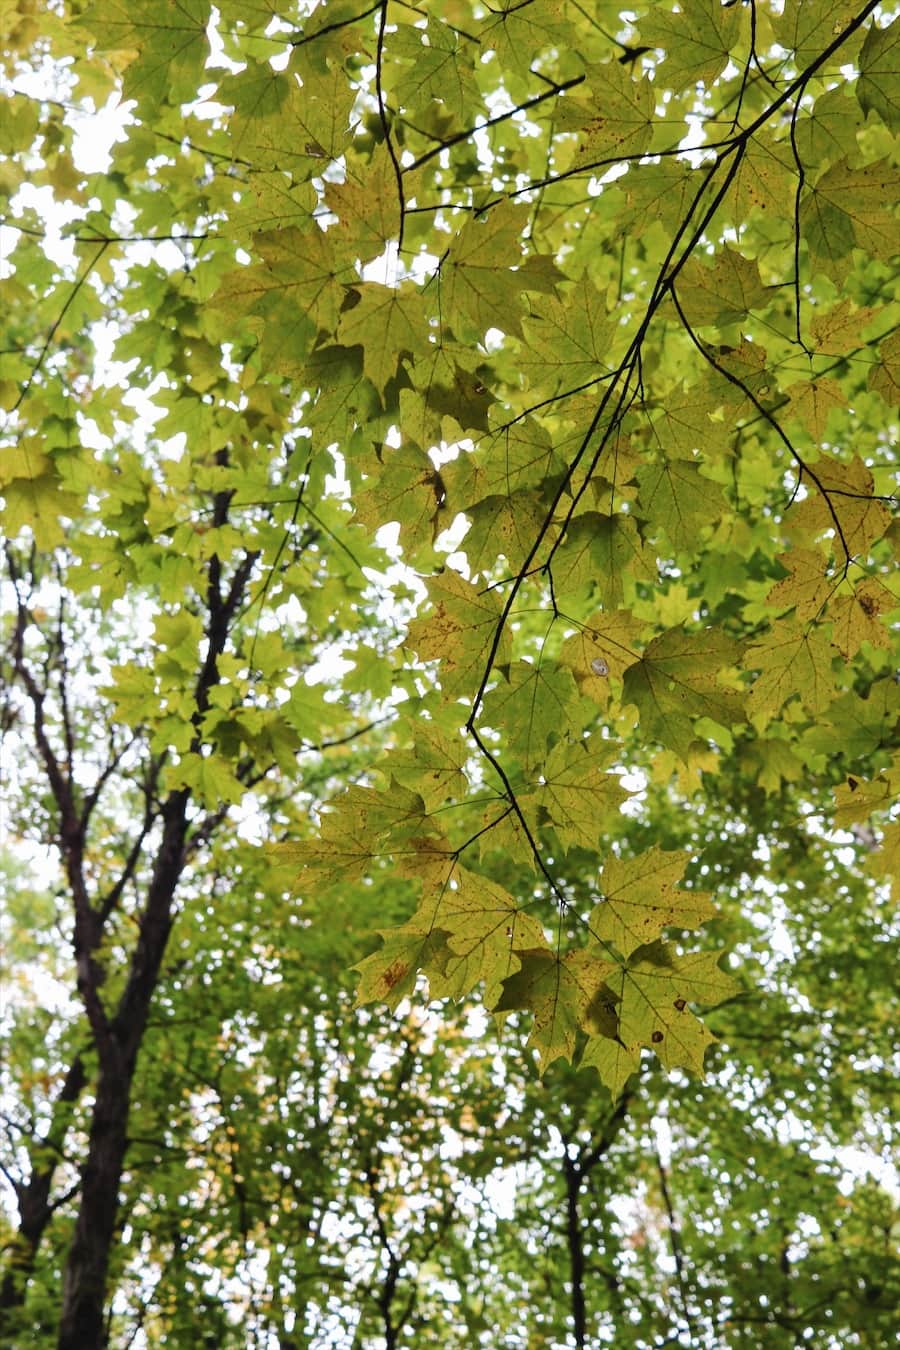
(82, 1323)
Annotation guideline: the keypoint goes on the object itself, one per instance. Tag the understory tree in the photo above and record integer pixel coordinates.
(450, 680)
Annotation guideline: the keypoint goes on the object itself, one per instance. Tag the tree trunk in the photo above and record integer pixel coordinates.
(82, 1324)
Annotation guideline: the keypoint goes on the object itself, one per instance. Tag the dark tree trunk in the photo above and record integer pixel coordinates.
(574, 1178)
(82, 1322)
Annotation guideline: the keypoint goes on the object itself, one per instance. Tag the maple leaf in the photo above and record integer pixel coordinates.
(603, 553)
(884, 378)
(485, 927)
(279, 125)
(387, 322)
(517, 33)
(884, 864)
(852, 206)
(723, 293)
(366, 205)
(559, 992)
(676, 495)
(857, 618)
(614, 1062)
(860, 725)
(812, 402)
(640, 900)
(436, 66)
(807, 586)
(612, 114)
(579, 798)
(567, 340)
(483, 277)
(653, 989)
(534, 702)
(684, 425)
(165, 47)
(855, 800)
(505, 460)
(300, 284)
(401, 485)
(359, 826)
(843, 497)
(599, 653)
(676, 682)
(389, 974)
(808, 30)
(697, 40)
(879, 73)
(794, 660)
(838, 330)
(460, 632)
(435, 764)
(502, 526)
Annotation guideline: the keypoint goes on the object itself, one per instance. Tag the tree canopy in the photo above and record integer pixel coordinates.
(451, 675)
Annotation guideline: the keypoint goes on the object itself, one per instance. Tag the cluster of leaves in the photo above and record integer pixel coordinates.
(648, 402)
(542, 364)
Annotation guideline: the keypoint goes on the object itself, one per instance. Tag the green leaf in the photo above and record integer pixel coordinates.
(879, 73)
(535, 702)
(579, 798)
(614, 1062)
(483, 276)
(722, 294)
(677, 681)
(697, 39)
(612, 112)
(675, 496)
(388, 322)
(794, 660)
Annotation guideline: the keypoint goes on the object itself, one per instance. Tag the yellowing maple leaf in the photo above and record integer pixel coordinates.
(580, 798)
(697, 39)
(640, 900)
(855, 799)
(838, 330)
(612, 113)
(675, 495)
(793, 659)
(460, 632)
(653, 991)
(601, 652)
(808, 585)
(401, 485)
(614, 1062)
(813, 401)
(389, 974)
(485, 926)
(884, 378)
(722, 293)
(857, 618)
(878, 87)
(484, 276)
(559, 992)
(842, 499)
